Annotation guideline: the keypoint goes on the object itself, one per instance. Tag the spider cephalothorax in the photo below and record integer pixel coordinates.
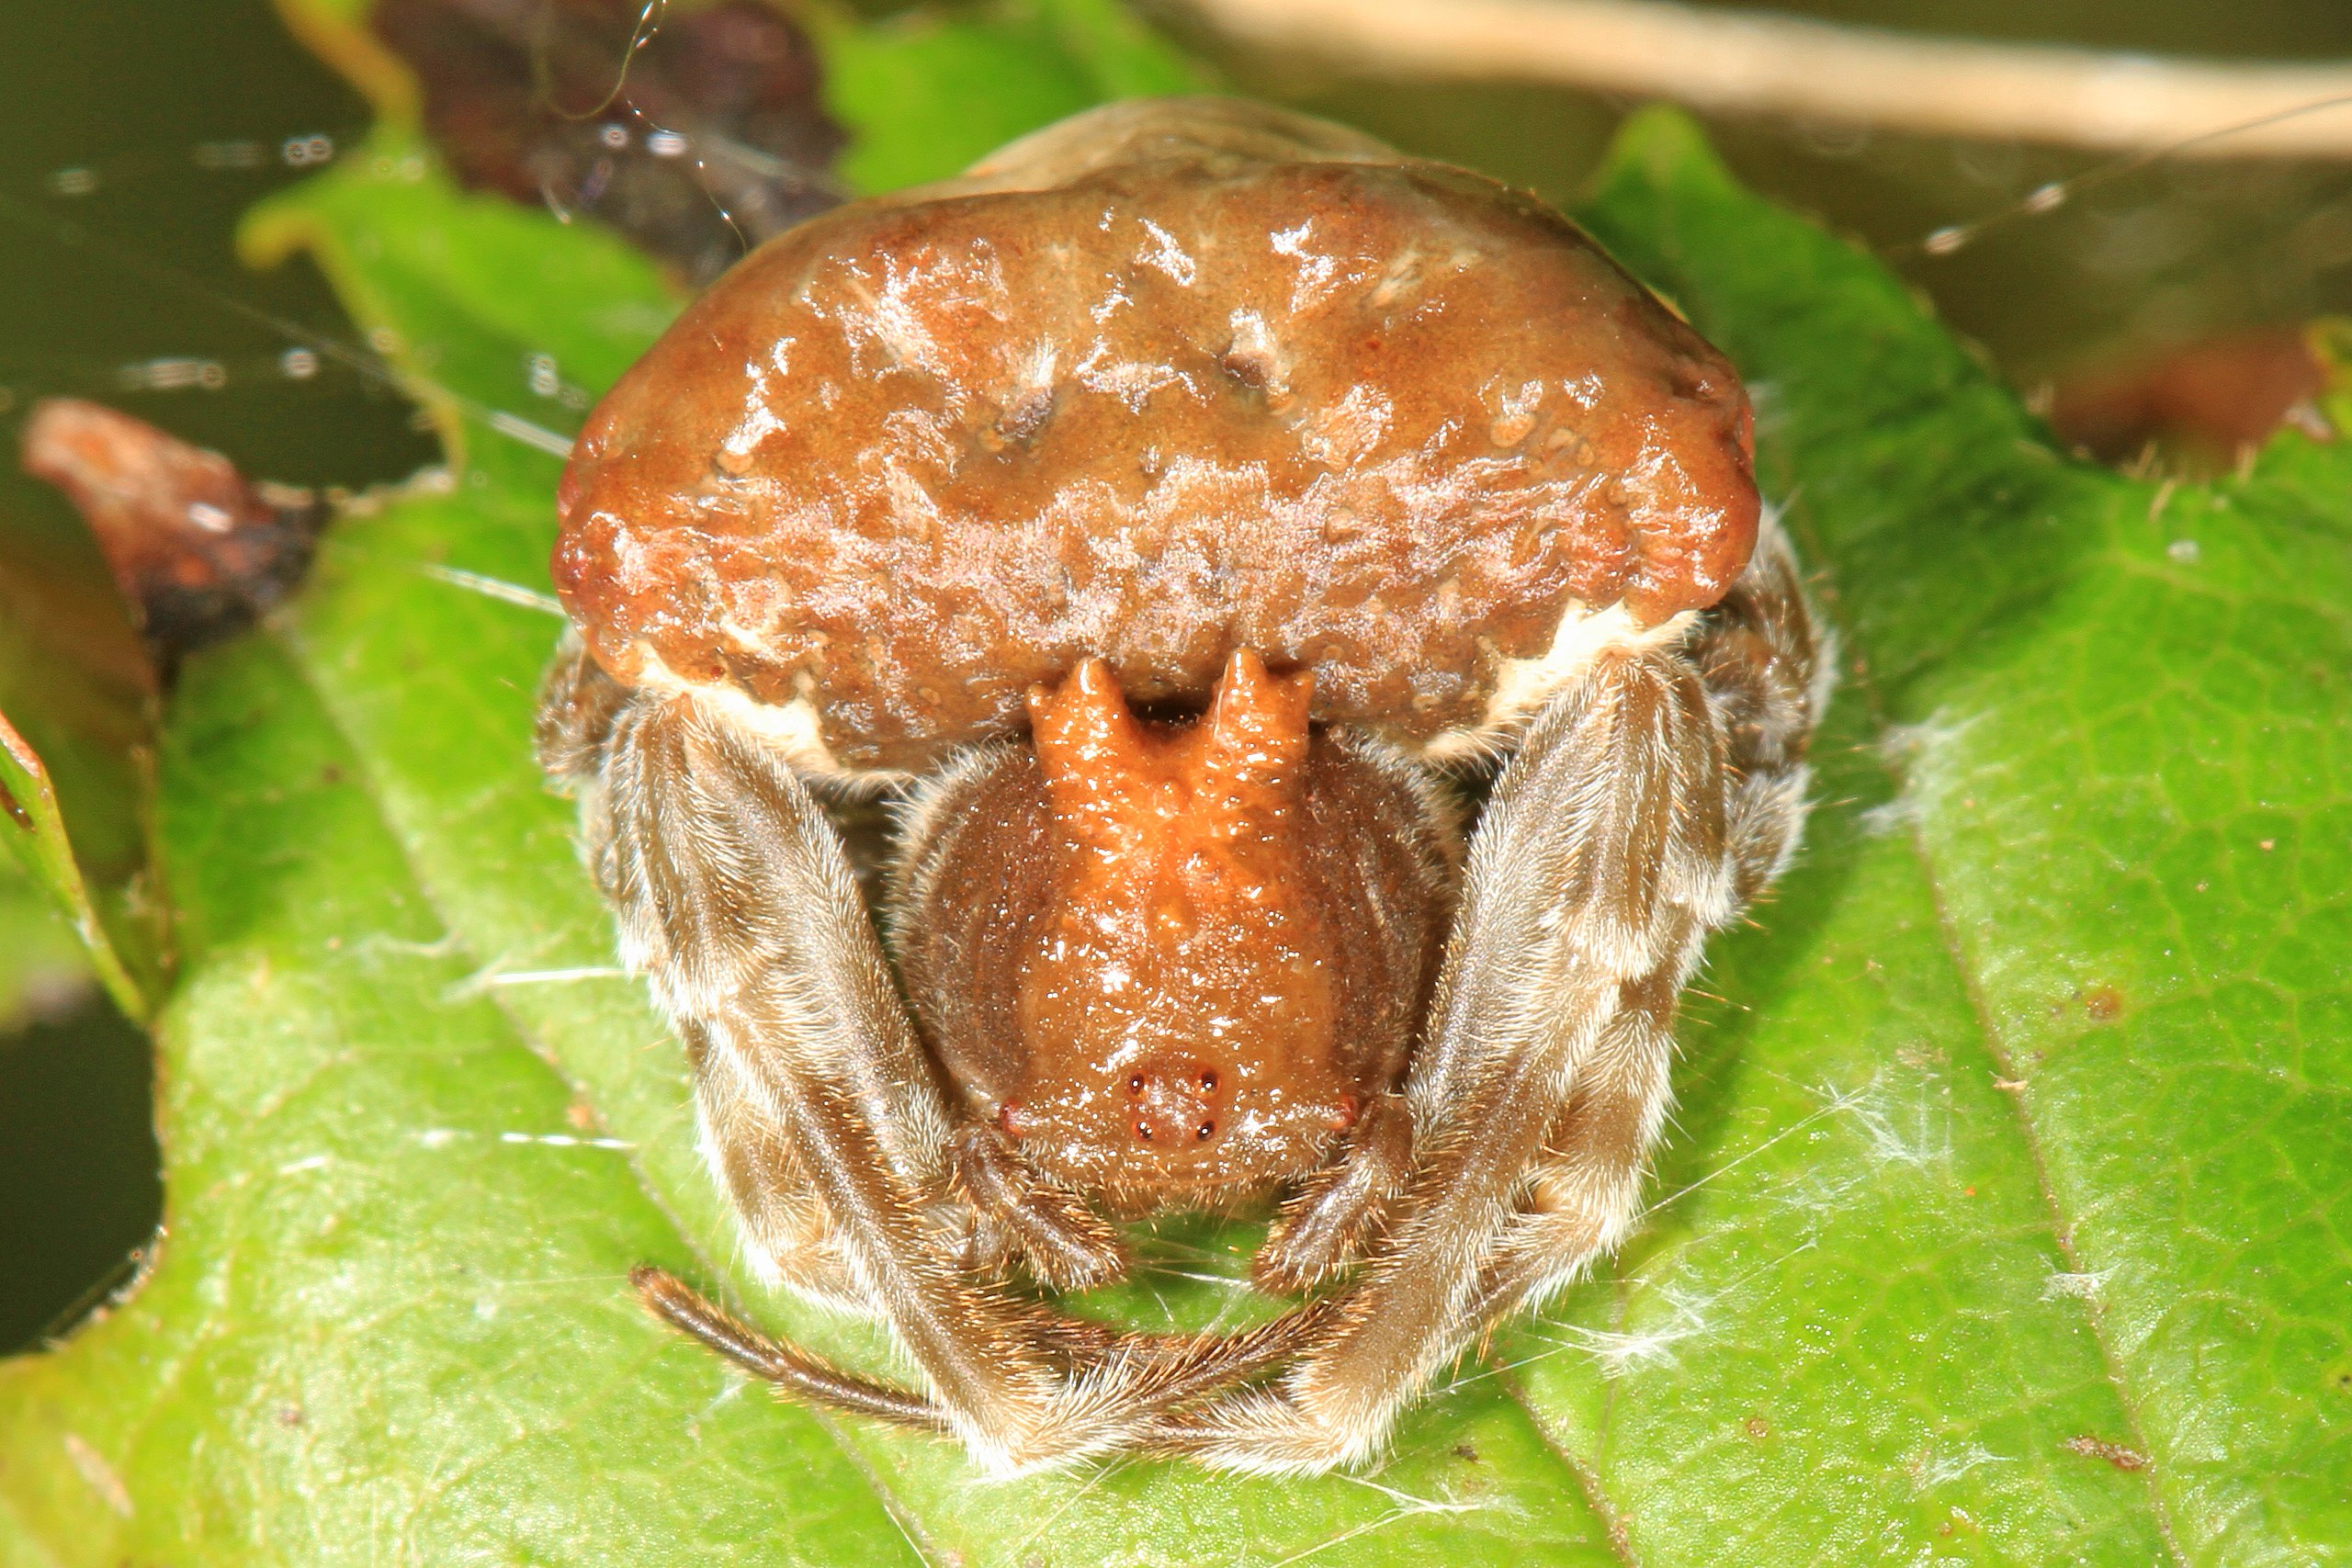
(1173, 962)
(1156, 510)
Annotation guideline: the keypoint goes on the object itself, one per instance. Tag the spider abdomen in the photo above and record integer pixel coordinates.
(1382, 419)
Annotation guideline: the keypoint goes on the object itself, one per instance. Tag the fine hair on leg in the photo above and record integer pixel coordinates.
(1165, 1371)
(1654, 793)
(819, 1110)
(1767, 667)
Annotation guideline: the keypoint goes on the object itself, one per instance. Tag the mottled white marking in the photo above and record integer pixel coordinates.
(1402, 274)
(1037, 366)
(1131, 381)
(1116, 299)
(1515, 417)
(1166, 255)
(885, 320)
(1348, 429)
(1315, 271)
(757, 422)
(793, 728)
(1523, 685)
(1253, 344)
(1586, 391)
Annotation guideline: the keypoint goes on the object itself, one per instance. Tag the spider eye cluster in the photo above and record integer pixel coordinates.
(1173, 1105)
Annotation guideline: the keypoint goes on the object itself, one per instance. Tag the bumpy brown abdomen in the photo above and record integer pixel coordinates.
(1386, 421)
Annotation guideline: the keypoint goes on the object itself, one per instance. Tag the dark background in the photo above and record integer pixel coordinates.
(115, 251)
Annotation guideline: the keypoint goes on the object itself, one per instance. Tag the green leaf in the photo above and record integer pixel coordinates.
(925, 93)
(2004, 1222)
(43, 965)
(2023, 1226)
(76, 758)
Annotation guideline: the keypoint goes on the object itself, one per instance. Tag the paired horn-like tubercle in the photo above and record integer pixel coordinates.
(1116, 787)
(1178, 997)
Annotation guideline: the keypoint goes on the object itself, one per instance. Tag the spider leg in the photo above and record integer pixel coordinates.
(679, 1305)
(1768, 666)
(790, 1236)
(1068, 1245)
(578, 702)
(1169, 1369)
(1653, 792)
(818, 1107)
(1341, 1207)
(1326, 1223)
(1765, 664)
(1598, 864)
(1583, 1190)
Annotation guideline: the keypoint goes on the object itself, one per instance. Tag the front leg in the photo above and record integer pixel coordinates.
(1766, 665)
(1649, 797)
(818, 1107)
(1597, 866)
(1337, 1210)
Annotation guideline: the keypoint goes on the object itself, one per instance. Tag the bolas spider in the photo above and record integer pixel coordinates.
(1177, 515)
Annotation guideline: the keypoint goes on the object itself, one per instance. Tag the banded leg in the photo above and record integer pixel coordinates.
(1648, 797)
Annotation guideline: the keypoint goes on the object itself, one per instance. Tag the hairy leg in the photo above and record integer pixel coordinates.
(789, 1234)
(1161, 1372)
(1649, 798)
(1015, 1209)
(1340, 1207)
(1766, 667)
(736, 902)
(772, 1362)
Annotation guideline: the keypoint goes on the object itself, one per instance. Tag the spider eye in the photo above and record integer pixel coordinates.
(1208, 1080)
(1143, 1134)
(1134, 1084)
(1207, 1130)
